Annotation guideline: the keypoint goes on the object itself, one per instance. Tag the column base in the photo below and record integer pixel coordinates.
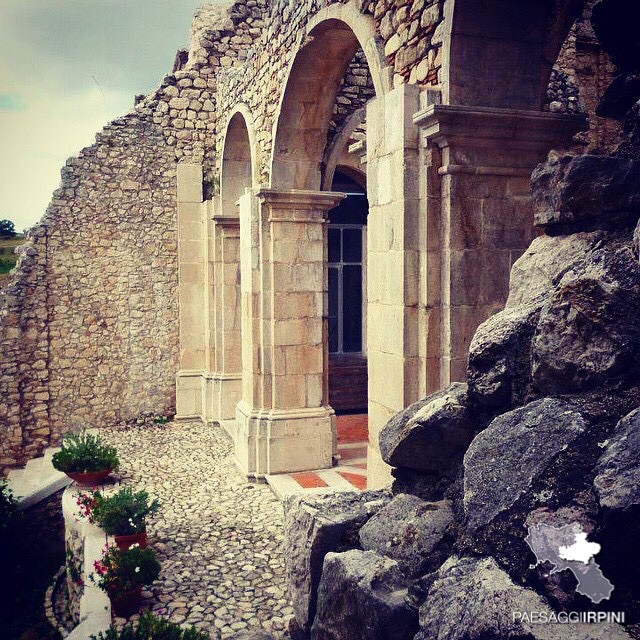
(189, 395)
(283, 441)
(221, 394)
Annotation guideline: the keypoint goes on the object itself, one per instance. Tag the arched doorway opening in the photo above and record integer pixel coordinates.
(346, 265)
(225, 327)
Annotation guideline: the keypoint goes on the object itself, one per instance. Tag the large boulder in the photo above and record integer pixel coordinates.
(473, 599)
(313, 526)
(617, 478)
(431, 435)
(587, 190)
(499, 373)
(510, 455)
(588, 332)
(408, 530)
(363, 595)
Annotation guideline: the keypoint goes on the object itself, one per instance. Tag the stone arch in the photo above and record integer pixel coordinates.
(499, 53)
(238, 169)
(324, 52)
(334, 151)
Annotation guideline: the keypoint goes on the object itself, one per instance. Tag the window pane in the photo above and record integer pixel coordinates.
(333, 310)
(334, 245)
(352, 309)
(352, 239)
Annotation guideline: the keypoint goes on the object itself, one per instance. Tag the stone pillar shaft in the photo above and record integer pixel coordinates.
(192, 280)
(284, 422)
(223, 381)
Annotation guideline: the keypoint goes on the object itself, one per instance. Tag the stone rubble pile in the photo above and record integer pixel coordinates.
(543, 432)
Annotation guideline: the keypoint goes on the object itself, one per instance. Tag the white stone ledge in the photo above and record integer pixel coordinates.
(95, 607)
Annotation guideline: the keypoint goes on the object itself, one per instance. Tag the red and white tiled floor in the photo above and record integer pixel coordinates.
(350, 474)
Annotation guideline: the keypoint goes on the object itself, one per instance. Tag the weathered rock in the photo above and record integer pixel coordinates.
(587, 332)
(505, 460)
(426, 486)
(618, 472)
(314, 526)
(620, 96)
(574, 191)
(537, 272)
(361, 596)
(430, 435)
(408, 530)
(499, 371)
(630, 146)
(473, 599)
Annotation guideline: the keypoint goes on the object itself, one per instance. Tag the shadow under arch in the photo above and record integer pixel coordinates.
(324, 52)
(238, 168)
(499, 53)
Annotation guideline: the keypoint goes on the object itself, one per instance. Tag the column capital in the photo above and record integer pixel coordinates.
(299, 200)
(438, 122)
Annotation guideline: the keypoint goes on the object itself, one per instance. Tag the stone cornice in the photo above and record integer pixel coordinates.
(475, 126)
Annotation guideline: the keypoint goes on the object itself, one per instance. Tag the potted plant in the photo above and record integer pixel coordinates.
(122, 574)
(123, 515)
(85, 459)
(151, 627)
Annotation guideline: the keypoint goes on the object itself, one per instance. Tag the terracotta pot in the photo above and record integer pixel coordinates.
(89, 478)
(125, 542)
(125, 603)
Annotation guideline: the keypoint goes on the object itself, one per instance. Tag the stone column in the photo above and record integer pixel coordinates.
(191, 277)
(284, 422)
(393, 252)
(224, 379)
(483, 215)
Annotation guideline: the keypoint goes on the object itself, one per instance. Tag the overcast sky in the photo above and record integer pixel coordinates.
(67, 67)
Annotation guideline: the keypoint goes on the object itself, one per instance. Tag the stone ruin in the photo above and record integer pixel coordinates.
(537, 449)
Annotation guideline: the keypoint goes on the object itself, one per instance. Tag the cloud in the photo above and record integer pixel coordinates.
(68, 67)
(11, 102)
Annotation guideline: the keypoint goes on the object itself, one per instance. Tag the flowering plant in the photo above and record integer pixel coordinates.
(120, 570)
(122, 513)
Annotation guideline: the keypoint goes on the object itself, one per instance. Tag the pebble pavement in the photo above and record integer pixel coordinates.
(219, 538)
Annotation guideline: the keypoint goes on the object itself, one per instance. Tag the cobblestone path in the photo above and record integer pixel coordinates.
(218, 538)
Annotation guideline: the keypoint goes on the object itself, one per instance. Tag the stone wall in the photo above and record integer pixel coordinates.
(580, 76)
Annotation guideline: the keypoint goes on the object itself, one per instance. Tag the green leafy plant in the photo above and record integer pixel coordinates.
(121, 570)
(10, 515)
(123, 513)
(151, 627)
(83, 452)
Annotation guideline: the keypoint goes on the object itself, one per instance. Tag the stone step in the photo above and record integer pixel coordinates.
(37, 481)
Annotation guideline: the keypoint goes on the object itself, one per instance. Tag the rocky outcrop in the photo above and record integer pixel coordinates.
(618, 472)
(314, 526)
(587, 332)
(588, 190)
(409, 531)
(507, 458)
(363, 595)
(430, 435)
